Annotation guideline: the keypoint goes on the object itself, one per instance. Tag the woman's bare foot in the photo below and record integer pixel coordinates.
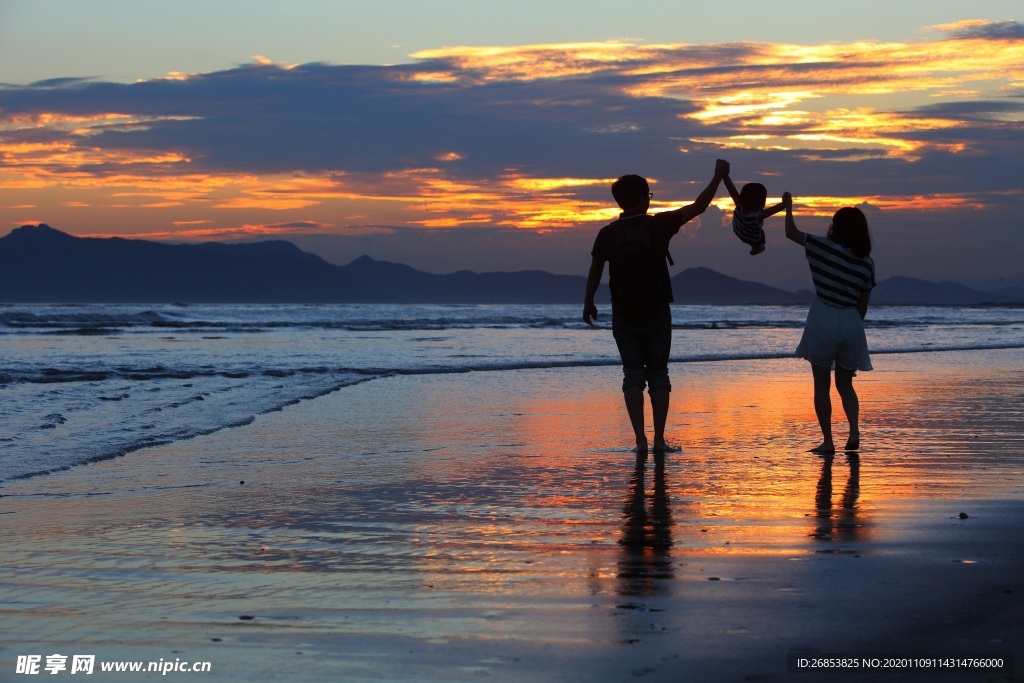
(853, 443)
(663, 447)
(641, 447)
(826, 448)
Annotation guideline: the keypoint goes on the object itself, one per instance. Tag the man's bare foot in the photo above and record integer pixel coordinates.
(826, 448)
(662, 447)
(641, 447)
(853, 443)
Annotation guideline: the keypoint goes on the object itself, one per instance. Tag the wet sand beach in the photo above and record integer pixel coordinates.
(495, 526)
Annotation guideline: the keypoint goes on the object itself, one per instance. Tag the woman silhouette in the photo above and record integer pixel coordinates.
(843, 275)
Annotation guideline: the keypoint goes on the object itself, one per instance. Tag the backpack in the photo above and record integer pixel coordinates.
(638, 274)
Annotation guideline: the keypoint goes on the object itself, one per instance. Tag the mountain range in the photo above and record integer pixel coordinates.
(39, 264)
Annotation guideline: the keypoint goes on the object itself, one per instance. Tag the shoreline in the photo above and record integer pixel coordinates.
(385, 374)
(456, 527)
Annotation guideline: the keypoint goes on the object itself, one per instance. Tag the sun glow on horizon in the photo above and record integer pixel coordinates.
(161, 161)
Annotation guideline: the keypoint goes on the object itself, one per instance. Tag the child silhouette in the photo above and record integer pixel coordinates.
(750, 212)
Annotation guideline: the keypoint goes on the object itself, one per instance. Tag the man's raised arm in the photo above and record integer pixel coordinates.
(703, 200)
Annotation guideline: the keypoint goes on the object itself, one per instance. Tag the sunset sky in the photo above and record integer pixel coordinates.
(484, 135)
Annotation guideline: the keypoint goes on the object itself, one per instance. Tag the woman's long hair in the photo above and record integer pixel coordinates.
(850, 229)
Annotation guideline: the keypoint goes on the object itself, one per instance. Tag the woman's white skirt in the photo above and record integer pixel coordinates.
(834, 336)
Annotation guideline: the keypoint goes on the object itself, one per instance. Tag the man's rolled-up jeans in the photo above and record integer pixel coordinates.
(644, 340)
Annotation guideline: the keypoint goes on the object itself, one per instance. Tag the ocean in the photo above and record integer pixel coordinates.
(82, 383)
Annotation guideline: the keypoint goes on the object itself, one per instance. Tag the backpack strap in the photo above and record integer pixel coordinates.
(668, 256)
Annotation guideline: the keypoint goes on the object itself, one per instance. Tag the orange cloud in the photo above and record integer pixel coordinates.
(549, 184)
(813, 100)
(272, 203)
(764, 86)
(526, 62)
(44, 164)
(448, 156)
(92, 124)
(454, 222)
(826, 206)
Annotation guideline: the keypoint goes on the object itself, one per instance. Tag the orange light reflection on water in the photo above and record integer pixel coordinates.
(520, 483)
(743, 485)
(571, 492)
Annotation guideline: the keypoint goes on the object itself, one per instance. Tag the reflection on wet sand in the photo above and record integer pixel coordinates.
(487, 526)
(838, 524)
(646, 537)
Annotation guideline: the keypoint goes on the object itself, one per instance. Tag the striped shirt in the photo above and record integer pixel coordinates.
(840, 278)
(749, 227)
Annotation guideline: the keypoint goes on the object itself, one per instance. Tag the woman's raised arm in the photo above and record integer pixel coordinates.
(792, 232)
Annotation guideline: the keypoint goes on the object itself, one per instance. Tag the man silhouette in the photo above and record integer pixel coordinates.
(636, 248)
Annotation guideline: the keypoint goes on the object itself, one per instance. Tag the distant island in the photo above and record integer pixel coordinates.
(39, 264)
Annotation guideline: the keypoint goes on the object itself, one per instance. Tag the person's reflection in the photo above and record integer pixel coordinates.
(837, 524)
(646, 539)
